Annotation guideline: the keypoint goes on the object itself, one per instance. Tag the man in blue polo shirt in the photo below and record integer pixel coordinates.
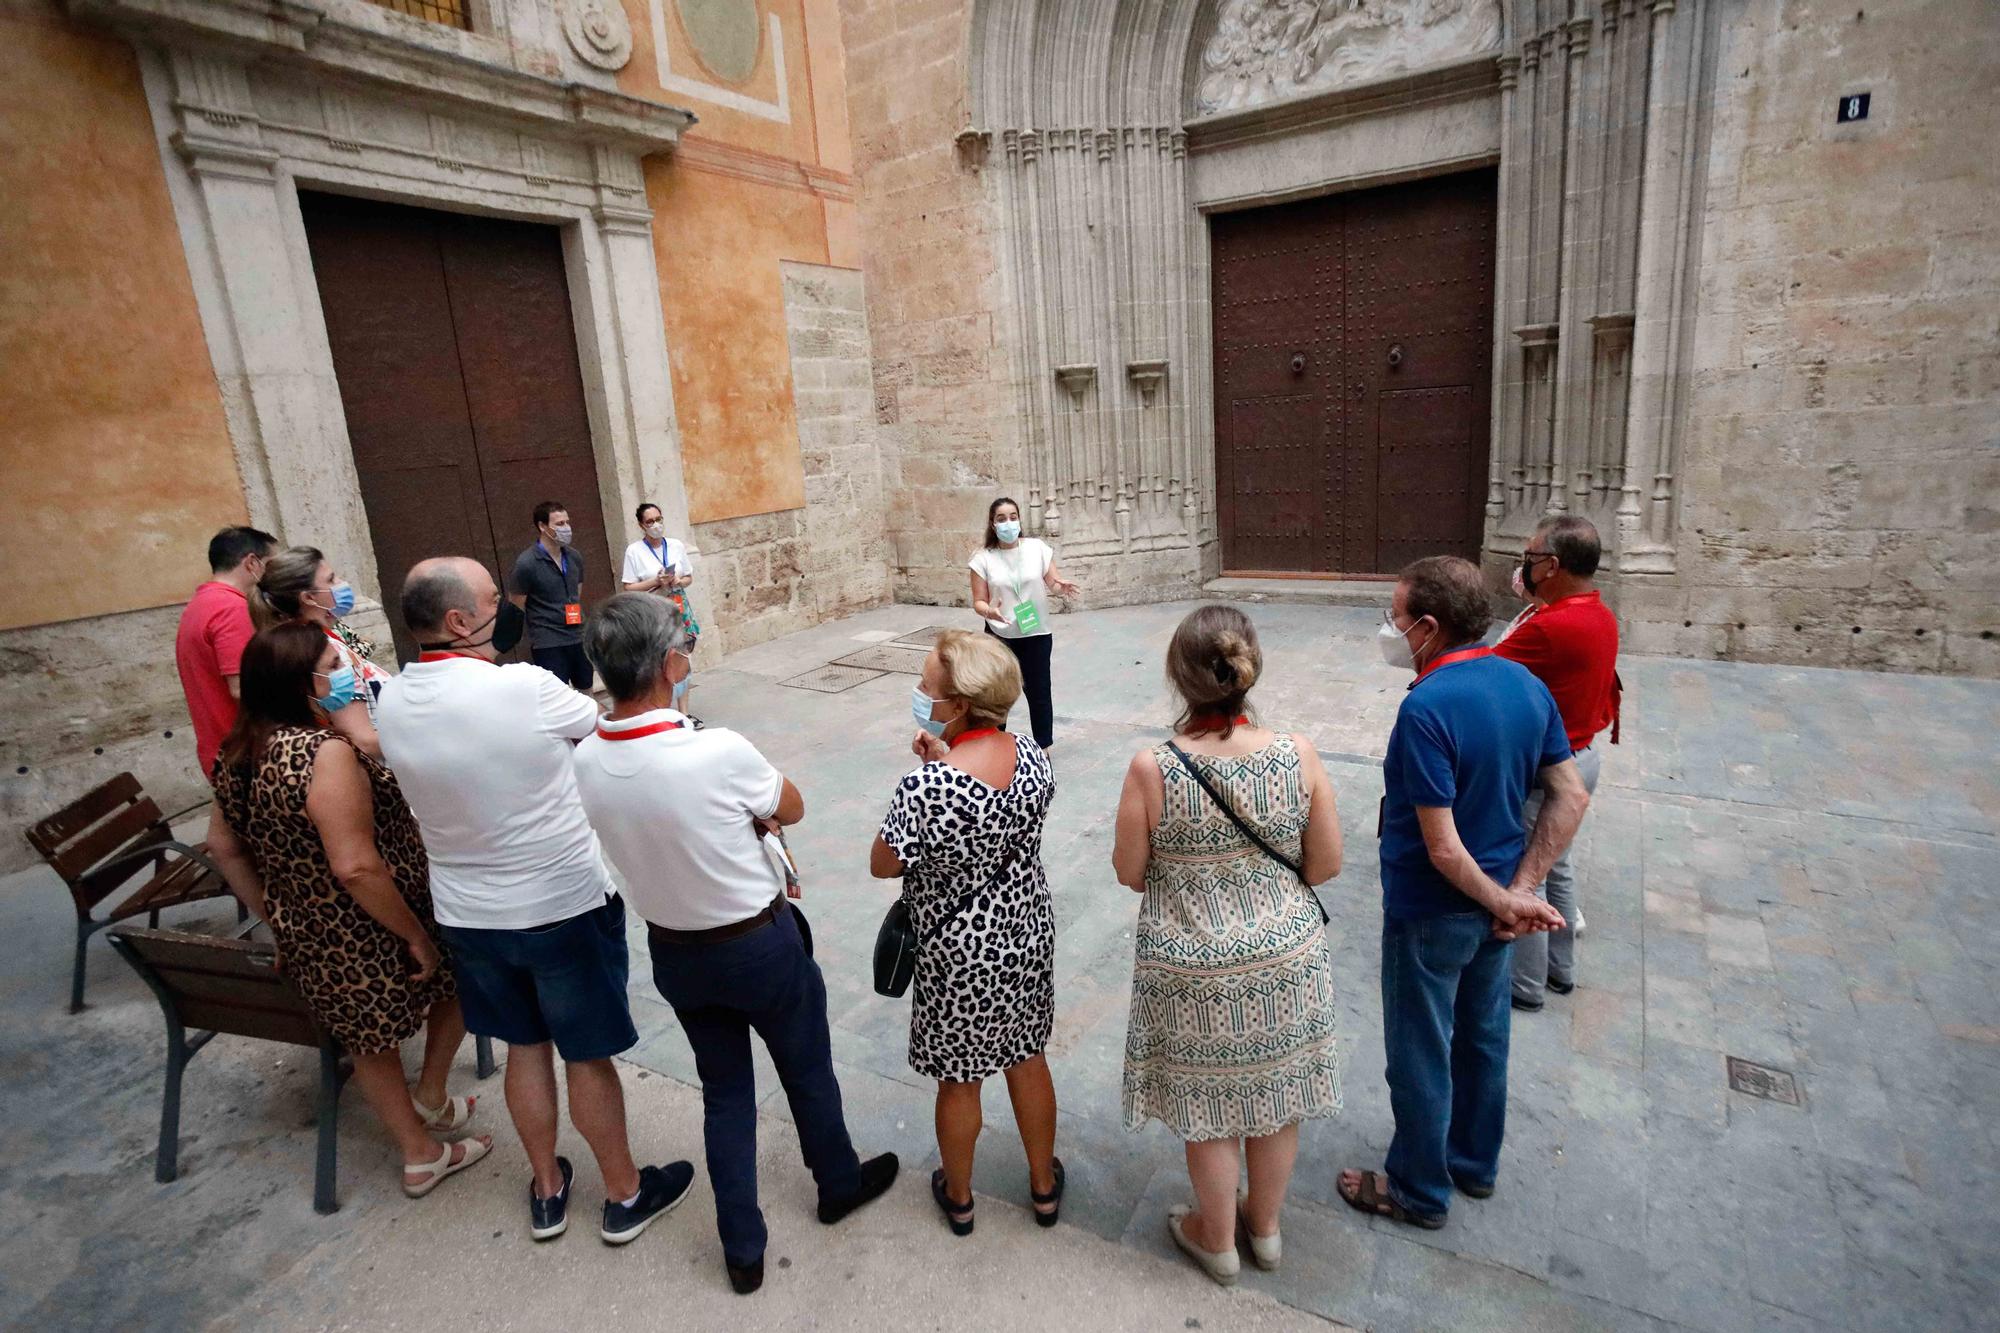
(1474, 735)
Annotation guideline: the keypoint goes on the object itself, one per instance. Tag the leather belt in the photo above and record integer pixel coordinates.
(717, 934)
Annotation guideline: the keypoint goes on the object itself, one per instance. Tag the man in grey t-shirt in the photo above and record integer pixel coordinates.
(547, 583)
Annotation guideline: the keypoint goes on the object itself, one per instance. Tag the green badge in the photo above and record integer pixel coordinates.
(1026, 618)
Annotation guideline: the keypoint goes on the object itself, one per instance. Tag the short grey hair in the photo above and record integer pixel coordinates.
(628, 639)
(432, 589)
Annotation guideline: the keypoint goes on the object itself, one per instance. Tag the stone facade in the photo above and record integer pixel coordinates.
(771, 574)
(1756, 348)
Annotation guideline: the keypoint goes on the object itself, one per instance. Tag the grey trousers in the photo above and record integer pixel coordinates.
(1551, 955)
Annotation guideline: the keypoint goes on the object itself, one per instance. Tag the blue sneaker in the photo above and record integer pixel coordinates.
(661, 1188)
(549, 1218)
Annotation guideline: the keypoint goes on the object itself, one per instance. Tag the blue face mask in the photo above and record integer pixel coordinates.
(342, 689)
(920, 708)
(343, 600)
(681, 685)
(1008, 530)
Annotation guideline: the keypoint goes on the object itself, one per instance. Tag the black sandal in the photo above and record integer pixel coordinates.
(958, 1215)
(1053, 1197)
(1368, 1199)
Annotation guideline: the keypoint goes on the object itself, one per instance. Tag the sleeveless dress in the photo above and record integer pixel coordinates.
(985, 987)
(352, 970)
(1232, 1032)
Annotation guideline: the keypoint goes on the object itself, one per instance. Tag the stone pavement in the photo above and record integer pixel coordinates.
(1799, 868)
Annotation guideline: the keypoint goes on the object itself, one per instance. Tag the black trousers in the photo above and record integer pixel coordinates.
(568, 664)
(1033, 655)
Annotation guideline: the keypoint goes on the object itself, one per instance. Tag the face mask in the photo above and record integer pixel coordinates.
(1008, 530)
(507, 623)
(657, 531)
(563, 534)
(1395, 646)
(920, 707)
(681, 685)
(1524, 576)
(1519, 584)
(343, 600)
(341, 689)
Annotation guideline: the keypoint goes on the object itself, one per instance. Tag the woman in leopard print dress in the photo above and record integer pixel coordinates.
(964, 832)
(315, 835)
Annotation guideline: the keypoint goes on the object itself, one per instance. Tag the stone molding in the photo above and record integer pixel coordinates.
(1455, 81)
(248, 114)
(1263, 52)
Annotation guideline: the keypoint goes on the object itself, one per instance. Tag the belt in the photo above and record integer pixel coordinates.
(717, 934)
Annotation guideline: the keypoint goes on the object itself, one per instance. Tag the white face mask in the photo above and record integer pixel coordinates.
(564, 534)
(657, 531)
(1395, 646)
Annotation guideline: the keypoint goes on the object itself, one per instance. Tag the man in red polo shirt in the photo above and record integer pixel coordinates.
(1569, 639)
(214, 627)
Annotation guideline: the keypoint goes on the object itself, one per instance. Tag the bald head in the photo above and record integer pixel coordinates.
(443, 584)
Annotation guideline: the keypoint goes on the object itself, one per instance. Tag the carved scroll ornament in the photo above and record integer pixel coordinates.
(1266, 51)
(599, 32)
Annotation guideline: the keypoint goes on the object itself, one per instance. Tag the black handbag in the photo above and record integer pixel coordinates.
(1247, 831)
(897, 942)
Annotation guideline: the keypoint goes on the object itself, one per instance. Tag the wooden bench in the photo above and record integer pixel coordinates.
(210, 984)
(101, 842)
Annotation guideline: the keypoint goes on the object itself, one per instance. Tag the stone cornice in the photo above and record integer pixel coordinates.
(1473, 77)
(298, 35)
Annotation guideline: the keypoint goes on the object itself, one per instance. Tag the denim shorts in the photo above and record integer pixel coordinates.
(563, 982)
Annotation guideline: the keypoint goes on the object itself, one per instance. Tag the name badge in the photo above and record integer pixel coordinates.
(572, 613)
(1027, 619)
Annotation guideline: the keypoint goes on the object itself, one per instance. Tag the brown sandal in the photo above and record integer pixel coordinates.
(1368, 1199)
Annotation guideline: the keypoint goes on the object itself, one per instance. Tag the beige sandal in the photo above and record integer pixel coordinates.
(1222, 1267)
(451, 1118)
(435, 1172)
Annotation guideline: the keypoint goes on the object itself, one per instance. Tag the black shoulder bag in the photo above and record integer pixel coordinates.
(1246, 830)
(897, 942)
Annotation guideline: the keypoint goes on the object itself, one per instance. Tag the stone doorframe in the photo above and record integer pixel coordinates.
(250, 106)
(1108, 129)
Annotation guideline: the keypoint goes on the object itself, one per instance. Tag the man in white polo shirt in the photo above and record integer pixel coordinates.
(518, 883)
(681, 810)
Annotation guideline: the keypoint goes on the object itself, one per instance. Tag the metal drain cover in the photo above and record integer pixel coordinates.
(1755, 1080)
(831, 679)
(887, 657)
(925, 637)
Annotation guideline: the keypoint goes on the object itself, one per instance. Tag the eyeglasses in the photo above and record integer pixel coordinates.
(1538, 555)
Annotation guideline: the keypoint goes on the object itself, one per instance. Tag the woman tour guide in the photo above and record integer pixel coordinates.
(1012, 577)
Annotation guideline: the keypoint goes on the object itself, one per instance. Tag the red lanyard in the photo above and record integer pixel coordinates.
(651, 729)
(446, 654)
(965, 736)
(1199, 725)
(1462, 655)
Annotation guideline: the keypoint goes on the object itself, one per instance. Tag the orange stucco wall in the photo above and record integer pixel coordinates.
(729, 207)
(108, 401)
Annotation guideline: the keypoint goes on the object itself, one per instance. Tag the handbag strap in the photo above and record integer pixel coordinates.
(966, 900)
(1245, 829)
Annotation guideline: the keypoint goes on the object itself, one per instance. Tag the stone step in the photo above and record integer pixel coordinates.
(1316, 592)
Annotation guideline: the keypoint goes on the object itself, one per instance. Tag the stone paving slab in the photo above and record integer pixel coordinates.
(1794, 866)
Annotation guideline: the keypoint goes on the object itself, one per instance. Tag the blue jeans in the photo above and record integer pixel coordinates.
(720, 992)
(1445, 1022)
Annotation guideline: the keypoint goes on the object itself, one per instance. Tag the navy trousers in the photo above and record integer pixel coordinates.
(767, 983)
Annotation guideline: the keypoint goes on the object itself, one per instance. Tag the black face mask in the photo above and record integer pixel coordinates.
(508, 623)
(1528, 563)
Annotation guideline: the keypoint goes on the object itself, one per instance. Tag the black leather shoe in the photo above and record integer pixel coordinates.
(1561, 987)
(747, 1279)
(1526, 1006)
(877, 1174)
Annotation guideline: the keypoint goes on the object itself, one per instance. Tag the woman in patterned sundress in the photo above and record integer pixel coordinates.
(1231, 1040)
(964, 832)
(315, 836)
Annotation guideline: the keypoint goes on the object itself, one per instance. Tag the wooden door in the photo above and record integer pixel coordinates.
(1352, 377)
(455, 351)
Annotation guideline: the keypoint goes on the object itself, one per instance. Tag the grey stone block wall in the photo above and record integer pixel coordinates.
(770, 574)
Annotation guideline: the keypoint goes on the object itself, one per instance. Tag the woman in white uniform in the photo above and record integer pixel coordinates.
(1012, 577)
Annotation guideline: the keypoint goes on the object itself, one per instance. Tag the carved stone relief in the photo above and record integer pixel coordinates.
(599, 32)
(1267, 51)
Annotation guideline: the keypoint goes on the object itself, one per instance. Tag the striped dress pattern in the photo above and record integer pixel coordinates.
(1233, 1025)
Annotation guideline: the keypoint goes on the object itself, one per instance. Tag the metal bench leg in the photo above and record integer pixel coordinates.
(166, 1162)
(83, 932)
(153, 919)
(325, 1199)
(483, 1046)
